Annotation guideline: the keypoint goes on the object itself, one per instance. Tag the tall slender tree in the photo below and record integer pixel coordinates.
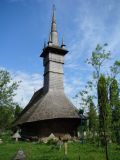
(104, 112)
(93, 119)
(115, 106)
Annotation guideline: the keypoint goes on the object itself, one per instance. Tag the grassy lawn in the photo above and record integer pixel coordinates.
(35, 151)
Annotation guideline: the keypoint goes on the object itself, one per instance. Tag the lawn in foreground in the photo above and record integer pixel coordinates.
(35, 151)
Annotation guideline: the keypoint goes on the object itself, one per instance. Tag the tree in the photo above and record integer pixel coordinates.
(86, 98)
(104, 112)
(98, 61)
(99, 56)
(17, 111)
(93, 119)
(115, 106)
(115, 69)
(7, 92)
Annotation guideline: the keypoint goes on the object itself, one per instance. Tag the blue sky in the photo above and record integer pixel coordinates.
(25, 24)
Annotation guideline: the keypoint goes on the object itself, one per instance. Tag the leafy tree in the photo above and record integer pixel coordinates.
(104, 112)
(92, 117)
(97, 61)
(115, 69)
(7, 92)
(7, 88)
(87, 102)
(93, 121)
(17, 111)
(99, 56)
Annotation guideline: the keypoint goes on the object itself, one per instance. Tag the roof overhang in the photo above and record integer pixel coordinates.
(54, 49)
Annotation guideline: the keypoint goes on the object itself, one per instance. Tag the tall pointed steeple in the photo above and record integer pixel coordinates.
(53, 33)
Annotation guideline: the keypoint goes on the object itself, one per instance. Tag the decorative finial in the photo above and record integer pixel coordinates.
(54, 10)
(54, 7)
(53, 16)
(63, 45)
(50, 40)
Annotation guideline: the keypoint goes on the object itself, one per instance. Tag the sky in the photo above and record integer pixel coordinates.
(25, 25)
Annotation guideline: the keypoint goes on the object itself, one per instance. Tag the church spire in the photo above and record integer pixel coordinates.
(53, 33)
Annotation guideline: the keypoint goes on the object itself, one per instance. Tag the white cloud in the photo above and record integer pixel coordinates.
(29, 84)
(32, 82)
(72, 66)
(73, 85)
(93, 26)
(2, 68)
(98, 23)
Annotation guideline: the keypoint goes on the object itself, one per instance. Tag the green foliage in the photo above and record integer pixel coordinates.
(104, 113)
(17, 111)
(115, 69)
(101, 91)
(34, 151)
(52, 142)
(81, 111)
(99, 56)
(92, 117)
(7, 105)
(6, 117)
(7, 88)
(114, 93)
(115, 106)
(104, 107)
(65, 158)
(6, 137)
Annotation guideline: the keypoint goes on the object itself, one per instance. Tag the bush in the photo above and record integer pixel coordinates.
(65, 158)
(6, 136)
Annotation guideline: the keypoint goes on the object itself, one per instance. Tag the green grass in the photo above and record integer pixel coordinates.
(35, 151)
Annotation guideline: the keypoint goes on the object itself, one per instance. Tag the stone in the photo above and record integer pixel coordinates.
(44, 140)
(20, 155)
(52, 137)
(66, 137)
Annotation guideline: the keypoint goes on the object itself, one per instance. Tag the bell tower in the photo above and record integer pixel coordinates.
(53, 60)
(49, 110)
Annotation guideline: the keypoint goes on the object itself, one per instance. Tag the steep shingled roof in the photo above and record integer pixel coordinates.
(49, 106)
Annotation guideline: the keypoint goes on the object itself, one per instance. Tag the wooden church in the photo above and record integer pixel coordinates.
(49, 110)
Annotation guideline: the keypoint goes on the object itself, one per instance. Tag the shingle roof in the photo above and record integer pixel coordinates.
(47, 106)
